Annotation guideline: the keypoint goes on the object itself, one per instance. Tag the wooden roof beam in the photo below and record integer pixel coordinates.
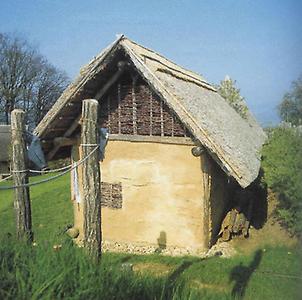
(122, 66)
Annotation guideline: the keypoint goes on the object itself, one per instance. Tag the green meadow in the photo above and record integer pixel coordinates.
(41, 272)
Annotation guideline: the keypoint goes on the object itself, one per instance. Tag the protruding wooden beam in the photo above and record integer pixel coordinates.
(122, 66)
(197, 151)
(121, 69)
(65, 141)
(73, 127)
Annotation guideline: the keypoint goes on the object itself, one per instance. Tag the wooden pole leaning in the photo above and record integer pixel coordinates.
(20, 176)
(91, 178)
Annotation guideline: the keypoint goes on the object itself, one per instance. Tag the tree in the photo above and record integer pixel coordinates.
(290, 109)
(27, 80)
(49, 85)
(282, 165)
(227, 89)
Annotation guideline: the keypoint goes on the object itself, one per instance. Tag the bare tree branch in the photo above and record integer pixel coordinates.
(27, 80)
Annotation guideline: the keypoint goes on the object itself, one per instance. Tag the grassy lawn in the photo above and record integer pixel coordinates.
(51, 207)
(41, 273)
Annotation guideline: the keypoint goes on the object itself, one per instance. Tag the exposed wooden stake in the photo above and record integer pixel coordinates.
(161, 118)
(151, 111)
(134, 108)
(172, 125)
(119, 108)
(206, 201)
(20, 176)
(108, 113)
(91, 178)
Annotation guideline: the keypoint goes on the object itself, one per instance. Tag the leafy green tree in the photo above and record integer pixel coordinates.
(290, 109)
(228, 90)
(282, 164)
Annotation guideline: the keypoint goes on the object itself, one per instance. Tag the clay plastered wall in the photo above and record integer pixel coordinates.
(162, 194)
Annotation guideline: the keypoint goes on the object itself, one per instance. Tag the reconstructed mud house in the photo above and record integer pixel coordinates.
(155, 192)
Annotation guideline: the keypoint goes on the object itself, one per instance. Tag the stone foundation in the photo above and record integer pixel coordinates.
(222, 249)
(136, 248)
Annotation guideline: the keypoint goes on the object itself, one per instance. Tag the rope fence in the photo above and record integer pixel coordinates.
(65, 170)
(6, 178)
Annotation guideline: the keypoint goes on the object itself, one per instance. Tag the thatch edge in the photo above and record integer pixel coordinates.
(243, 177)
(186, 118)
(86, 73)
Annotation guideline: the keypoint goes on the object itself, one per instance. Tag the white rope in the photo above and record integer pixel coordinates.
(6, 178)
(50, 171)
(62, 168)
(50, 178)
(42, 171)
(19, 171)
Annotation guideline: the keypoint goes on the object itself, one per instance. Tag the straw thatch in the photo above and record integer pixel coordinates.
(233, 142)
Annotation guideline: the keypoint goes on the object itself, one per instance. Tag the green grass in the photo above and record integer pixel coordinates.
(51, 207)
(40, 272)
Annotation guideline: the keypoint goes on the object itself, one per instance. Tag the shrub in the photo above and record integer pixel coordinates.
(282, 164)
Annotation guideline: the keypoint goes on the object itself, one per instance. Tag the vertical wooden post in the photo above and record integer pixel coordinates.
(91, 178)
(206, 205)
(20, 176)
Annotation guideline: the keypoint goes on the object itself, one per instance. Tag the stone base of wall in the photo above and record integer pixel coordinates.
(140, 248)
(136, 248)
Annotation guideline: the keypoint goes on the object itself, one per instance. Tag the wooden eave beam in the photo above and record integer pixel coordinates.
(65, 141)
(122, 66)
(109, 83)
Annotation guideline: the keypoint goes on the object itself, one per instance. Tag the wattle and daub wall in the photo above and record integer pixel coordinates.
(153, 191)
(132, 108)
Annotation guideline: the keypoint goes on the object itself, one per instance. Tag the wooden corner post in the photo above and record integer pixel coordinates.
(206, 203)
(91, 178)
(20, 176)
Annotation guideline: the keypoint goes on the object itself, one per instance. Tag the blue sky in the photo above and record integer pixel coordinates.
(258, 43)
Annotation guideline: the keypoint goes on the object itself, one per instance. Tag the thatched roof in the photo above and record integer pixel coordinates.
(232, 141)
(5, 139)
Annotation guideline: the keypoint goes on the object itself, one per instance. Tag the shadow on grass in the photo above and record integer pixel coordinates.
(242, 274)
(173, 283)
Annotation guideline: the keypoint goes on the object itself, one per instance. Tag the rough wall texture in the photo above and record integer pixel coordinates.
(130, 107)
(111, 195)
(153, 194)
(162, 196)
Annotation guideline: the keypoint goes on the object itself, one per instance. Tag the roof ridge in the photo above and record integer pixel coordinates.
(204, 111)
(169, 60)
(216, 148)
(191, 79)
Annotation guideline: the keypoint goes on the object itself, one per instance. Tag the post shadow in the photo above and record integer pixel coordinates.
(162, 242)
(242, 274)
(172, 280)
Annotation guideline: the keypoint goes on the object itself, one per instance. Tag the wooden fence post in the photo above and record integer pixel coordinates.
(20, 176)
(91, 178)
